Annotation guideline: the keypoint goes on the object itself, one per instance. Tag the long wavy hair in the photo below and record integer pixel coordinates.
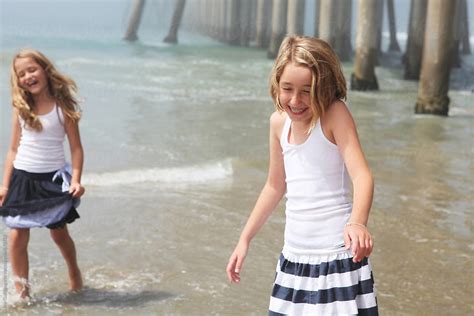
(327, 84)
(62, 88)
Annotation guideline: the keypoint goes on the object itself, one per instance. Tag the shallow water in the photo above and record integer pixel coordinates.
(176, 153)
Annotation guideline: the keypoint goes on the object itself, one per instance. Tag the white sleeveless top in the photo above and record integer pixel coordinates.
(41, 152)
(318, 194)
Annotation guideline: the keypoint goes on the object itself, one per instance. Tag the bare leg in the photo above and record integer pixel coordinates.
(19, 238)
(66, 245)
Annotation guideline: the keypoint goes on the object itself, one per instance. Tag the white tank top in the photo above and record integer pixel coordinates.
(43, 151)
(318, 194)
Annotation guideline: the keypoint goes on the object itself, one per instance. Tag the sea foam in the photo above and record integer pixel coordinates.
(200, 173)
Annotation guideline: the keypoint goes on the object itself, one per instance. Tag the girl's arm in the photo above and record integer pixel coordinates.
(270, 195)
(77, 156)
(343, 129)
(14, 143)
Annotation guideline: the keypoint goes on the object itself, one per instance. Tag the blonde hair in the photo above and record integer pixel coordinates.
(327, 84)
(62, 89)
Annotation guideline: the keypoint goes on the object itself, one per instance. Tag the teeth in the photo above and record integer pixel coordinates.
(296, 110)
(32, 82)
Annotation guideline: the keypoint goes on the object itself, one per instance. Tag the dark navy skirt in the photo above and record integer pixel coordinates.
(39, 200)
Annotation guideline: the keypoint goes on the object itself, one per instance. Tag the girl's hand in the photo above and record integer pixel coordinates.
(358, 239)
(236, 261)
(76, 189)
(3, 194)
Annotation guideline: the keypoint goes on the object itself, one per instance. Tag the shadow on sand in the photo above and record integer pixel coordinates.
(115, 299)
(92, 297)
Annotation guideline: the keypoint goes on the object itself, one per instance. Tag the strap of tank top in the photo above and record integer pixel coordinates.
(285, 131)
(57, 112)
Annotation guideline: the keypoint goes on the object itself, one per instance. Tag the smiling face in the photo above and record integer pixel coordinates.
(294, 92)
(31, 76)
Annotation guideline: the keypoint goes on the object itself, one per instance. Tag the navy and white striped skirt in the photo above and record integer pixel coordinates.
(39, 200)
(330, 284)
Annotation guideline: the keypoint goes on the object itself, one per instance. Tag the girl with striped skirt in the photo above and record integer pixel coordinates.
(39, 189)
(315, 156)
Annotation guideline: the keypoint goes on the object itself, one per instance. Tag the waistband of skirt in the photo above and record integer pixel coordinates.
(319, 252)
(46, 176)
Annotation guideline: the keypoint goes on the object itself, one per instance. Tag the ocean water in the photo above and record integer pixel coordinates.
(176, 152)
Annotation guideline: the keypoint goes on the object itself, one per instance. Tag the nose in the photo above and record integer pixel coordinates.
(295, 99)
(25, 78)
(28, 76)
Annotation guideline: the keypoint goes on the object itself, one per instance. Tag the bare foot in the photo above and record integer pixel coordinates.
(22, 287)
(75, 281)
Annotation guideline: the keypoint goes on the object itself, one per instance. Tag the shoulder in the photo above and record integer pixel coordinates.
(277, 121)
(16, 112)
(16, 117)
(338, 115)
(64, 115)
(338, 108)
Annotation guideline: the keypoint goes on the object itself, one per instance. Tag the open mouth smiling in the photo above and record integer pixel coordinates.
(297, 111)
(31, 82)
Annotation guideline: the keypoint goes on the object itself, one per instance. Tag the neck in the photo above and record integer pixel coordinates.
(301, 125)
(43, 97)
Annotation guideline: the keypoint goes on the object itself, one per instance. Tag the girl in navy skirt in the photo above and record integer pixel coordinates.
(315, 156)
(39, 189)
